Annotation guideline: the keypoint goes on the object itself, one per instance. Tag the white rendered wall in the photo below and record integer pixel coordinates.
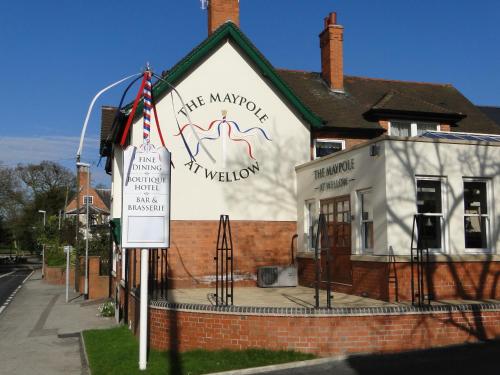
(452, 162)
(368, 173)
(267, 194)
(392, 176)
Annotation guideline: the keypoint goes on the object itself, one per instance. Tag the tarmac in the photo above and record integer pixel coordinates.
(40, 332)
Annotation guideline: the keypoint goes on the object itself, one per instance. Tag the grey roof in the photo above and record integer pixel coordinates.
(354, 108)
(492, 112)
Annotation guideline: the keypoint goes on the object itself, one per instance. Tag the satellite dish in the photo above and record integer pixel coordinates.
(204, 4)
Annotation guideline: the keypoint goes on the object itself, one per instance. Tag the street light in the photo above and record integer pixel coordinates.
(86, 291)
(43, 245)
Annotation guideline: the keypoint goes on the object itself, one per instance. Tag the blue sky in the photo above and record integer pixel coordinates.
(56, 55)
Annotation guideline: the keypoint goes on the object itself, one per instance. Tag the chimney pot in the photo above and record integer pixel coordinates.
(331, 19)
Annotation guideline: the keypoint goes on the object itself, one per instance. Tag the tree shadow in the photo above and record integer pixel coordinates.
(471, 280)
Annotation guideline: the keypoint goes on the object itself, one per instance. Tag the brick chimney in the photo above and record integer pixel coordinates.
(220, 11)
(330, 41)
(83, 175)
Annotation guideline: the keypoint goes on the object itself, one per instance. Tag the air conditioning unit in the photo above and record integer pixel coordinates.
(276, 276)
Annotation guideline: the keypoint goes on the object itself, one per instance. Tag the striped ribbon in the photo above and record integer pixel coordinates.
(147, 108)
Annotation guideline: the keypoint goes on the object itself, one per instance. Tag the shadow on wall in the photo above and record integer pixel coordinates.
(473, 280)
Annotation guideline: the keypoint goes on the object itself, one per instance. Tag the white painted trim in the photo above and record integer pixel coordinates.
(332, 140)
(444, 210)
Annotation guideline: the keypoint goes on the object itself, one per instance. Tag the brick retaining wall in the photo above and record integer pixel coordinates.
(57, 275)
(325, 333)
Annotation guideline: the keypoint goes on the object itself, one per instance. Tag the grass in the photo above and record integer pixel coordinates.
(116, 351)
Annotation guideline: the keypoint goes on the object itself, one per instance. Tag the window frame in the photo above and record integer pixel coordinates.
(413, 126)
(489, 204)
(361, 222)
(444, 210)
(91, 199)
(326, 140)
(310, 224)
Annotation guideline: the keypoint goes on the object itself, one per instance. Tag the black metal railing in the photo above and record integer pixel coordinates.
(158, 274)
(224, 282)
(419, 263)
(323, 248)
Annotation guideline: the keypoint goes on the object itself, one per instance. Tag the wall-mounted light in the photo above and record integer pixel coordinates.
(374, 149)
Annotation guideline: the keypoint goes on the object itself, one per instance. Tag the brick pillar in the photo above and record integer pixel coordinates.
(331, 43)
(220, 11)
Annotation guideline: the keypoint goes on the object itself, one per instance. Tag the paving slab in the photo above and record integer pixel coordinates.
(32, 325)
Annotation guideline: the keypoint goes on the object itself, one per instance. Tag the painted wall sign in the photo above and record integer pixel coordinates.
(334, 169)
(333, 184)
(146, 197)
(237, 140)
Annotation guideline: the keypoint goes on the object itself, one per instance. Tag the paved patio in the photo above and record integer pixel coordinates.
(291, 297)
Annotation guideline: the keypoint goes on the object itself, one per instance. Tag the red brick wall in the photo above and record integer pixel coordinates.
(255, 243)
(320, 335)
(98, 285)
(57, 275)
(392, 281)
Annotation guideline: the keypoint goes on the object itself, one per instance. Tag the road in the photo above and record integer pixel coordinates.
(459, 360)
(11, 277)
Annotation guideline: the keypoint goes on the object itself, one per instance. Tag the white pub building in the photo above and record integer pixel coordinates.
(274, 148)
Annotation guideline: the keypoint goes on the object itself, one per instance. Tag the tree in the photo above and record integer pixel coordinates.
(48, 184)
(12, 196)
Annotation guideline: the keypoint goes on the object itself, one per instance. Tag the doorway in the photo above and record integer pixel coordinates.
(338, 216)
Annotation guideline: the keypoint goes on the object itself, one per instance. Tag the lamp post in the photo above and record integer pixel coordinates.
(43, 245)
(86, 291)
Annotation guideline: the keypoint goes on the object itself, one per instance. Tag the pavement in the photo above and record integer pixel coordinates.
(40, 332)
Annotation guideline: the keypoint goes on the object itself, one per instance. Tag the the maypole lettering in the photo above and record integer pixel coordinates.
(223, 132)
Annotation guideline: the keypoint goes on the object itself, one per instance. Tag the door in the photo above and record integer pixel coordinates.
(338, 215)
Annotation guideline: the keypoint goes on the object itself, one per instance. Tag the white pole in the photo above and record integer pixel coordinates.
(87, 238)
(143, 322)
(68, 250)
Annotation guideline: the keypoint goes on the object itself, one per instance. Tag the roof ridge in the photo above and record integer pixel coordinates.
(296, 70)
(400, 81)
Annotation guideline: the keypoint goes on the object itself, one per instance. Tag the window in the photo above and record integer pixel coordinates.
(430, 206)
(310, 224)
(411, 128)
(366, 219)
(323, 147)
(88, 198)
(476, 220)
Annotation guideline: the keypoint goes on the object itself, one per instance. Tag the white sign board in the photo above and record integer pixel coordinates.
(146, 197)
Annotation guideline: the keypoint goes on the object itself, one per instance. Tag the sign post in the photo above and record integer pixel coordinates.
(67, 250)
(145, 216)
